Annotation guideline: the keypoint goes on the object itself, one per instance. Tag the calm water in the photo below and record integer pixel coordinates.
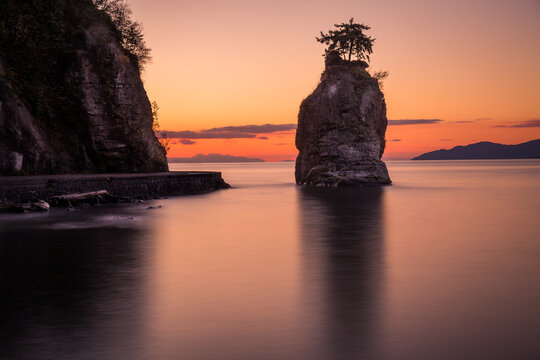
(444, 264)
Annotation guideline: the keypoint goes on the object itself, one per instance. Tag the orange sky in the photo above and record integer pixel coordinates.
(240, 62)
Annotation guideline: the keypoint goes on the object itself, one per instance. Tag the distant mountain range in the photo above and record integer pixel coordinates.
(486, 150)
(213, 158)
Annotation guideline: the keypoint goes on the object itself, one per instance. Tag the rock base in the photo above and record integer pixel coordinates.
(371, 174)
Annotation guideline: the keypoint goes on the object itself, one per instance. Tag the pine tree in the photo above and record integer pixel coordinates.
(348, 40)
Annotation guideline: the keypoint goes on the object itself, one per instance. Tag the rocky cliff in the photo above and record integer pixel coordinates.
(71, 97)
(341, 128)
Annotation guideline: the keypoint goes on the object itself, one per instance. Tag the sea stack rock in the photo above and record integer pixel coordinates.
(341, 128)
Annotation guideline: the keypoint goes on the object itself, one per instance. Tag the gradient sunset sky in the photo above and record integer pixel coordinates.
(460, 71)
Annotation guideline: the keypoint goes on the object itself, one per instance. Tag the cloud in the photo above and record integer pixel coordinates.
(414, 121)
(524, 124)
(446, 139)
(255, 129)
(204, 135)
(263, 138)
(228, 132)
(470, 121)
(394, 140)
(187, 141)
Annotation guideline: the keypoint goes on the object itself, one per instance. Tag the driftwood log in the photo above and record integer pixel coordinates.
(24, 207)
(69, 200)
(93, 197)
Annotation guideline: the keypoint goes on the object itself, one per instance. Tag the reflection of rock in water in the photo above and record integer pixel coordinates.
(70, 293)
(342, 240)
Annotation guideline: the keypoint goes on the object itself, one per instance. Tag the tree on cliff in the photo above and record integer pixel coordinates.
(380, 76)
(162, 135)
(348, 40)
(130, 32)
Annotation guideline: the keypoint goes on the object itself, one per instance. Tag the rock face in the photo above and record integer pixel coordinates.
(80, 105)
(341, 127)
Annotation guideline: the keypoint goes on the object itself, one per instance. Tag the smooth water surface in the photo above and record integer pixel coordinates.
(443, 264)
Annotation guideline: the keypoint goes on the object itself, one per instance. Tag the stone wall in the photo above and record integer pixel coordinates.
(136, 186)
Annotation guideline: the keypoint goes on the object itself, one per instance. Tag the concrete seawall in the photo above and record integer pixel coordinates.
(143, 186)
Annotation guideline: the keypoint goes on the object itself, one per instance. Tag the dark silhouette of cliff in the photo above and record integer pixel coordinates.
(486, 150)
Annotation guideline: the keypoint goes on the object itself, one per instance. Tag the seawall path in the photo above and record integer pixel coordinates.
(136, 186)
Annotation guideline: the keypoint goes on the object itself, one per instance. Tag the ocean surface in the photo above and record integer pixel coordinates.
(443, 264)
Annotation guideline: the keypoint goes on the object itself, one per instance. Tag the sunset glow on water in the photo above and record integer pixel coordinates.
(331, 242)
(442, 264)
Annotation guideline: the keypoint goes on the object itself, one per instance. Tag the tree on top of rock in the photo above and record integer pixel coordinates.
(130, 32)
(348, 40)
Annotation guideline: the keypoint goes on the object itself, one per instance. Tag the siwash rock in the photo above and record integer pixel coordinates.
(341, 128)
(71, 97)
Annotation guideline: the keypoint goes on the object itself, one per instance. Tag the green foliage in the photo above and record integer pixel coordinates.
(130, 32)
(163, 140)
(155, 116)
(348, 40)
(380, 76)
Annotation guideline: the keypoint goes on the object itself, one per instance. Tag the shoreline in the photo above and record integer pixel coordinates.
(24, 189)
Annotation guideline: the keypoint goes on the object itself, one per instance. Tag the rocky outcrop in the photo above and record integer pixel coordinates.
(23, 144)
(79, 107)
(341, 128)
